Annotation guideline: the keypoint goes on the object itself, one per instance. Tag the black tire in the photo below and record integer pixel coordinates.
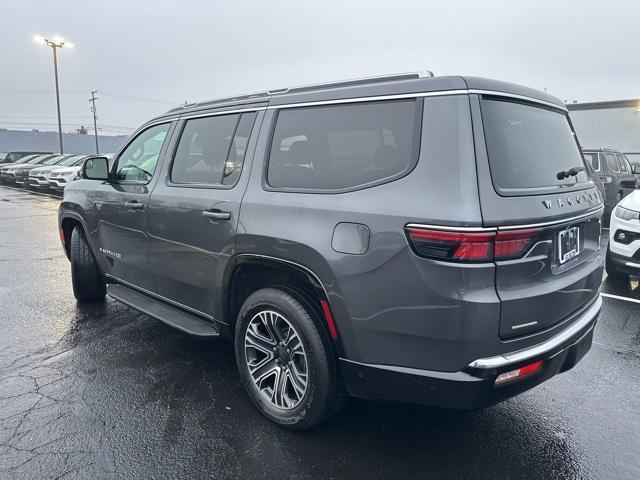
(611, 269)
(88, 283)
(324, 393)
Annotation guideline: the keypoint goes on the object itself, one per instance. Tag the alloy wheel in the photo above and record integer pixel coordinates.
(276, 359)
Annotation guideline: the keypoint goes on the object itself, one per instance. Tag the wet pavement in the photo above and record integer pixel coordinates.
(105, 392)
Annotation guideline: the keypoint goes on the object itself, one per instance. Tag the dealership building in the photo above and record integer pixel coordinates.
(611, 124)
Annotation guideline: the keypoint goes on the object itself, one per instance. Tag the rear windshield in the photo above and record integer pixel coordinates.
(528, 147)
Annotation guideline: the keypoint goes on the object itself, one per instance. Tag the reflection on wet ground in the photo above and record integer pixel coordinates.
(102, 391)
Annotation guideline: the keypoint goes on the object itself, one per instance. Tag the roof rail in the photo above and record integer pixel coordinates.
(352, 82)
(206, 103)
(304, 88)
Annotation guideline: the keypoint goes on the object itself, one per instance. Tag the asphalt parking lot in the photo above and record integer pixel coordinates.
(106, 392)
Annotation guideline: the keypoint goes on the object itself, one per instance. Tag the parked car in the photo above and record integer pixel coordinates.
(623, 251)
(7, 172)
(10, 157)
(21, 174)
(61, 177)
(598, 181)
(429, 240)
(39, 177)
(616, 174)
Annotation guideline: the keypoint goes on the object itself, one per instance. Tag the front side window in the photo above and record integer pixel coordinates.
(343, 147)
(612, 163)
(139, 159)
(211, 150)
(529, 146)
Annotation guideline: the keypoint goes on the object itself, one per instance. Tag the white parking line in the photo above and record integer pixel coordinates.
(618, 297)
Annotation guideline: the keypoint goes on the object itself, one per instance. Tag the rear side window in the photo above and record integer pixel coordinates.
(593, 160)
(529, 146)
(612, 163)
(211, 150)
(345, 146)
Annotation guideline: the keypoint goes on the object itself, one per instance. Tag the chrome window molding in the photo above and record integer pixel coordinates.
(518, 97)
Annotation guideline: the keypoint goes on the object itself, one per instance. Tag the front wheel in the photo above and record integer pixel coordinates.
(285, 360)
(88, 282)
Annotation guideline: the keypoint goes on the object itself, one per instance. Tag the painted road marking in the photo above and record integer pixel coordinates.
(618, 297)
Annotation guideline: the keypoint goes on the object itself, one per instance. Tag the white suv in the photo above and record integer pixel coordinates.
(623, 253)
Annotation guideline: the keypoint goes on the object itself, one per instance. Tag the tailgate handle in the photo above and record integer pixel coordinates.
(217, 214)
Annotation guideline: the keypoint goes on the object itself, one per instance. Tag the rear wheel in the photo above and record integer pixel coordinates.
(611, 269)
(285, 360)
(88, 282)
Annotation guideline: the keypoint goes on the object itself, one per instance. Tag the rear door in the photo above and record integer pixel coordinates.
(194, 209)
(536, 193)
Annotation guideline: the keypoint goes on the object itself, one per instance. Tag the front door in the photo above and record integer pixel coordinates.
(121, 209)
(194, 209)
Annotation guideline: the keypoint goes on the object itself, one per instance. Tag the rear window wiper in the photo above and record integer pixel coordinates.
(572, 172)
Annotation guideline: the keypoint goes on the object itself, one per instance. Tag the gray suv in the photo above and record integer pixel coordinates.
(616, 173)
(428, 240)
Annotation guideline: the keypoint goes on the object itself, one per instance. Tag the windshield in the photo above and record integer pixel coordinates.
(54, 160)
(37, 159)
(530, 148)
(70, 161)
(26, 159)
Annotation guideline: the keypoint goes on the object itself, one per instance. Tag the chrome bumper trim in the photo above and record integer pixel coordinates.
(544, 347)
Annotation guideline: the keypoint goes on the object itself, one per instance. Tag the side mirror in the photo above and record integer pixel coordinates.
(635, 168)
(96, 168)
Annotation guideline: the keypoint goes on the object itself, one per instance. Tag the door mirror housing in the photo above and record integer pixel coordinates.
(96, 168)
(635, 168)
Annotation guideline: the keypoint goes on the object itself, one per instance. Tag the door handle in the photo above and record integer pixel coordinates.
(217, 214)
(134, 204)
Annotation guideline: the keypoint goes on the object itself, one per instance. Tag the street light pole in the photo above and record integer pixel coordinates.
(55, 44)
(55, 71)
(95, 124)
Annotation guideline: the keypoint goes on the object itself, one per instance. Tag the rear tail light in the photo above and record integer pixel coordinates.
(518, 373)
(462, 246)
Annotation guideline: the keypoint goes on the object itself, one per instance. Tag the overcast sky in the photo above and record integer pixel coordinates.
(171, 51)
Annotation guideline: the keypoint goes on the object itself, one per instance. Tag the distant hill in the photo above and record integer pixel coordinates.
(12, 140)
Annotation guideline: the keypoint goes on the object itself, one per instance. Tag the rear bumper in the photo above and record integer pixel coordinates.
(474, 387)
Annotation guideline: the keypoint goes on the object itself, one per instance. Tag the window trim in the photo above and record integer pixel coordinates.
(415, 150)
(134, 137)
(182, 123)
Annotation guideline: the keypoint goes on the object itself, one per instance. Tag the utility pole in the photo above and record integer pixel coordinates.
(93, 110)
(55, 44)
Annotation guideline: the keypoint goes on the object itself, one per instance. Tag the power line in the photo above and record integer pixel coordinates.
(85, 92)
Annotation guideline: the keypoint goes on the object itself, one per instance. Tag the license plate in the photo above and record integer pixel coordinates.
(568, 244)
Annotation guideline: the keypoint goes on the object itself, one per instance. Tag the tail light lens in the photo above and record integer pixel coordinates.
(462, 246)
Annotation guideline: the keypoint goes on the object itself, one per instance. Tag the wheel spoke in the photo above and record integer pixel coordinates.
(277, 396)
(254, 339)
(299, 384)
(264, 369)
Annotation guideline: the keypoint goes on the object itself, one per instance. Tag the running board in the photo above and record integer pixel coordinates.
(173, 317)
